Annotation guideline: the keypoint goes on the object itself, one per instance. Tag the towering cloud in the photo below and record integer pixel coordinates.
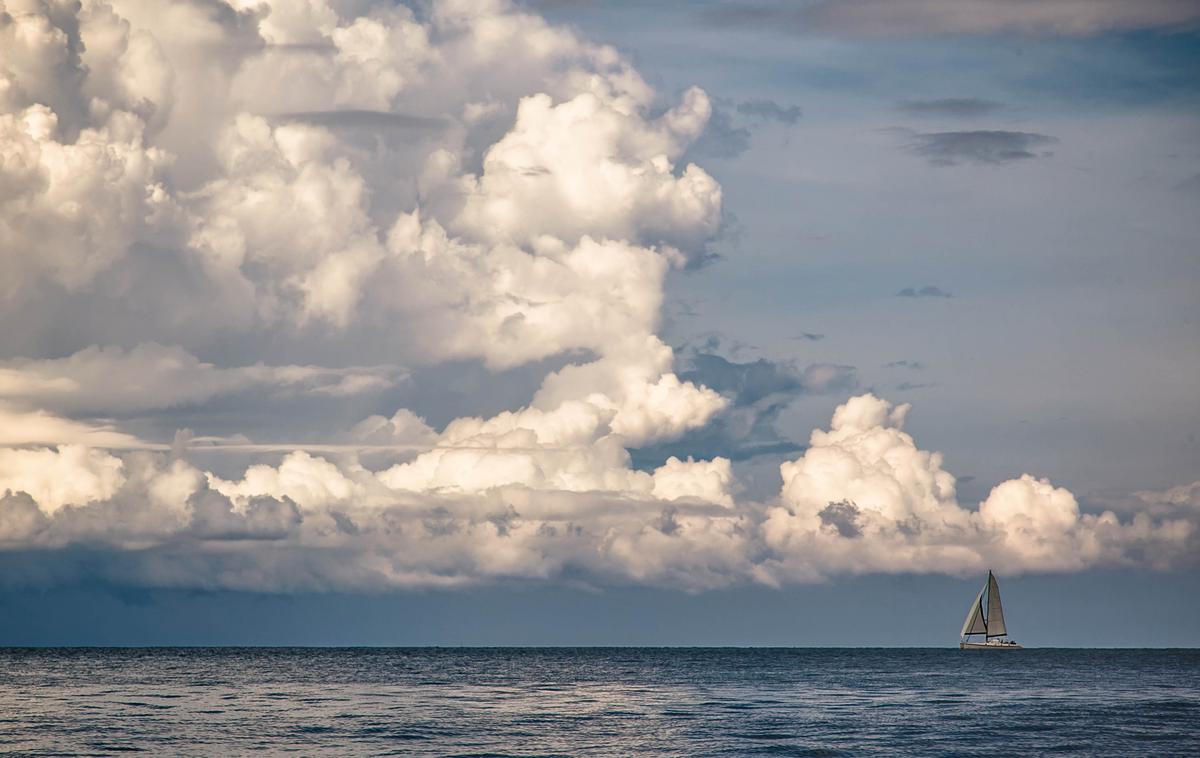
(865, 498)
(310, 199)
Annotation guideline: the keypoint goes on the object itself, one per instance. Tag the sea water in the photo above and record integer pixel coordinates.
(599, 702)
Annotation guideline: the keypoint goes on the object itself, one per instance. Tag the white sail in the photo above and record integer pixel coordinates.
(974, 623)
(995, 612)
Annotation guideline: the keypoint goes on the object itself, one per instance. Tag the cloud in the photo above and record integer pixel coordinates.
(722, 138)
(152, 376)
(1184, 498)
(928, 290)
(726, 137)
(757, 392)
(983, 147)
(842, 517)
(706, 481)
(953, 107)
(757, 380)
(599, 172)
(262, 518)
(21, 426)
(863, 497)
(573, 436)
(298, 230)
(769, 110)
(170, 238)
(70, 475)
(362, 119)
(889, 18)
(809, 336)
(1191, 184)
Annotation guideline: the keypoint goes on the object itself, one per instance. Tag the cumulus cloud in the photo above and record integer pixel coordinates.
(864, 498)
(756, 393)
(81, 183)
(591, 166)
(69, 475)
(463, 183)
(301, 212)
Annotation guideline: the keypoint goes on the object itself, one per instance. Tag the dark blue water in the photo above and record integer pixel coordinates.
(600, 702)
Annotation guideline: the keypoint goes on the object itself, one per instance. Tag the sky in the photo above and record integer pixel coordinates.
(569, 322)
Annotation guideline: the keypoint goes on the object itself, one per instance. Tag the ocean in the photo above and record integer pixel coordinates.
(599, 702)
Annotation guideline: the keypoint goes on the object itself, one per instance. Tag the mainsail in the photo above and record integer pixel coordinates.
(994, 624)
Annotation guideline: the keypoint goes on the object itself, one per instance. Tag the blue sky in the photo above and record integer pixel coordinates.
(1074, 275)
(470, 323)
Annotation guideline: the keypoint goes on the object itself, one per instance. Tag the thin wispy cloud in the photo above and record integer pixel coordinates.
(987, 147)
(951, 107)
(929, 290)
(365, 119)
(769, 110)
(892, 18)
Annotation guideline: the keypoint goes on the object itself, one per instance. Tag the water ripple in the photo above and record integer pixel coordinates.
(596, 702)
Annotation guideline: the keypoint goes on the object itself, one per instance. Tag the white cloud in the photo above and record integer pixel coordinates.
(80, 184)
(69, 210)
(151, 376)
(865, 498)
(509, 305)
(403, 428)
(703, 480)
(465, 182)
(361, 63)
(505, 498)
(309, 481)
(1184, 496)
(593, 166)
(40, 427)
(70, 475)
(574, 434)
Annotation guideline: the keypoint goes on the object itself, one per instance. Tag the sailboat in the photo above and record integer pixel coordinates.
(990, 624)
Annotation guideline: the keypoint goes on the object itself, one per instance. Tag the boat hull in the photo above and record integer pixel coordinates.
(988, 646)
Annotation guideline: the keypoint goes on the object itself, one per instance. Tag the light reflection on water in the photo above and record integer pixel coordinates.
(601, 702)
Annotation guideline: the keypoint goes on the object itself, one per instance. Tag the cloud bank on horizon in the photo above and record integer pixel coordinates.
(321, 185)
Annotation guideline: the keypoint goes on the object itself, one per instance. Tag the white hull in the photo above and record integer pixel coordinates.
(991, 645)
